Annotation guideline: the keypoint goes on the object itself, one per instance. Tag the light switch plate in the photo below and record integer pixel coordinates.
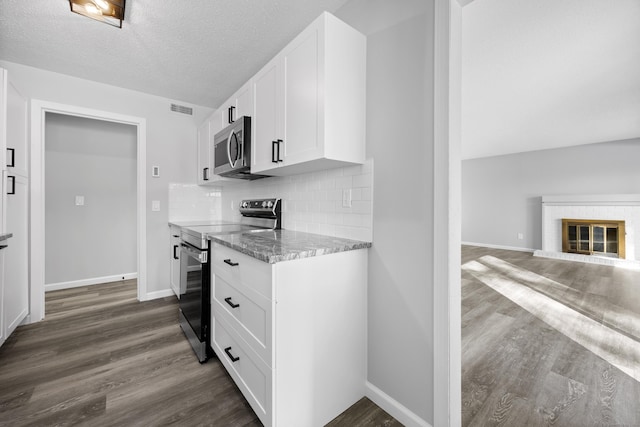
(155, 171)
(155, 205)
(79, 200)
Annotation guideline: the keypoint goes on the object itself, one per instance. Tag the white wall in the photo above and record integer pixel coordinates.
(171, 144)
(502, 195)
(400, 62)
(96, 160)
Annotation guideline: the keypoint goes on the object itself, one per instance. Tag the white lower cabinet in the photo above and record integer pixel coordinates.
(292, 335)
(174, 239)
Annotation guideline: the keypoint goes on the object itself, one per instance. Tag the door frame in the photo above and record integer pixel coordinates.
(39, 109)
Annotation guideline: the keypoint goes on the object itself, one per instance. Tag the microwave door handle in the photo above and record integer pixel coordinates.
(233, 165)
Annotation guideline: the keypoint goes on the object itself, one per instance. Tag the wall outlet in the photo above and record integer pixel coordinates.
(346, 198)
(520, 236)
(79, 200)
(155, 205)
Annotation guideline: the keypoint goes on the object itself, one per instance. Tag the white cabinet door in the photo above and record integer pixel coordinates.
(302, 85)
(3, 337)
(215, 126)
(174, 238)
(16, 280)
(238, 105)
(204, 169)
(266, 123)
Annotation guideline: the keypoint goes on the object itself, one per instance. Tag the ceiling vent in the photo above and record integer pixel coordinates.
(182, 109)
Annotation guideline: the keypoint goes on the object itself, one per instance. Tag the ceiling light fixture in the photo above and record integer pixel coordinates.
(108, 11)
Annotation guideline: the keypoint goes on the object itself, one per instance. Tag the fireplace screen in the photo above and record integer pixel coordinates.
(593, 237)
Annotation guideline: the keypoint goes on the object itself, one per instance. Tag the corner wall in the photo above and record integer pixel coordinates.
(400, 80)
(502, 195)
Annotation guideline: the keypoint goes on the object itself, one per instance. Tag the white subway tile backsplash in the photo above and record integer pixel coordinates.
(362, 180)
(312, 202)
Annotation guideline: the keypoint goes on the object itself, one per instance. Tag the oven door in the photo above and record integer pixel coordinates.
(194, 296)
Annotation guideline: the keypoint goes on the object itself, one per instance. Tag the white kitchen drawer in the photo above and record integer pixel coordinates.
(250, 374)
(235, 267)
(248, 312)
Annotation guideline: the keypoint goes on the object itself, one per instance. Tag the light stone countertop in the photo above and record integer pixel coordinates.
(5, 236)
(193, 223)
(272, 246)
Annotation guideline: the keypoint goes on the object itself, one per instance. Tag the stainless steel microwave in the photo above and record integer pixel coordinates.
(232, 150)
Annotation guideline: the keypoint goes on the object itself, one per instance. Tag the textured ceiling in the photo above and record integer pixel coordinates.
(195, 51)
(546, 73)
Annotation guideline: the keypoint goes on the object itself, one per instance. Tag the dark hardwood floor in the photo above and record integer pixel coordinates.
(101, 358)
(518, 370)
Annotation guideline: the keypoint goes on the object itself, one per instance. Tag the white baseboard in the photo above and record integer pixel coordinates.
(88, 282)
(508, 248)
(158, 294)
(393, 407)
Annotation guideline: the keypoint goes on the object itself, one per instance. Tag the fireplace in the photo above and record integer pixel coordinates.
(593, 237)
(612, 238)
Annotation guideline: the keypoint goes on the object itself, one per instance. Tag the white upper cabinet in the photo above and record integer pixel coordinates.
(204, 169)
(309, 102)
(238, 105)
(206, 153)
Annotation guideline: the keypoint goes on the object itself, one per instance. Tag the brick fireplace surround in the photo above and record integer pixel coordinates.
(619, 207)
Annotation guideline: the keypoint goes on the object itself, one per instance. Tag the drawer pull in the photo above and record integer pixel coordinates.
(231, 263)
(231, 303)
(231, 356)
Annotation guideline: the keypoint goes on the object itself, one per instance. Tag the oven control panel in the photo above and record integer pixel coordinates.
(256, 206)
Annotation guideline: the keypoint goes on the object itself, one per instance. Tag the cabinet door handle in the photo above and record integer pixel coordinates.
(205, 174)
(175, 256)
(13, 184)
(231, 263)
(279, 142)
(12, 163)
(230, 117)
(273, 151)
(231, 356)
(231, 303)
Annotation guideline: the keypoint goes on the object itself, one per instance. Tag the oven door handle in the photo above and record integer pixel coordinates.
(201, 256)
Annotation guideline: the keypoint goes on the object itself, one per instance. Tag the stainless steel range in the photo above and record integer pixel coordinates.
(195, 271)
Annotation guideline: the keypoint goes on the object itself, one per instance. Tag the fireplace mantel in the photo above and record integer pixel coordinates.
(608, 207)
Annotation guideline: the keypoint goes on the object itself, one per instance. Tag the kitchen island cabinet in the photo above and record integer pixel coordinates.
(309, 102)
(292, 334)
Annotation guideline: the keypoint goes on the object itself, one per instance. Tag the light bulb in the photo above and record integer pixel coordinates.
(103, 4)
(92, 9)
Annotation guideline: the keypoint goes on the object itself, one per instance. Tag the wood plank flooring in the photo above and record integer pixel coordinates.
(517, 370)
(101, 358)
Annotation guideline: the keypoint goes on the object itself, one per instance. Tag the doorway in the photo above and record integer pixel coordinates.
(39, 110)
(90, 201)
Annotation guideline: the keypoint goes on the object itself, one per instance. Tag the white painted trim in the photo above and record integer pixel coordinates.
(159, 294)
(492, 246)
(393, 407)
(589, 259)
(88, 282)
(36, 248)
(592, 199)
(447, 181)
